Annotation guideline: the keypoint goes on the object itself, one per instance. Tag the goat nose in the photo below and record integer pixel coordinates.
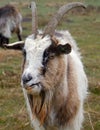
(26, 78)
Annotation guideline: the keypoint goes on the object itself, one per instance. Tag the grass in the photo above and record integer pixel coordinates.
(93, 2)
(85, 28)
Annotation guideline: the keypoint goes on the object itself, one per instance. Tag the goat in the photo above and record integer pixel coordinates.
(53, 77)
(10, 22)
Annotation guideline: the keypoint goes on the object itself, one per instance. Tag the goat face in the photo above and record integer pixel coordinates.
(41, 63)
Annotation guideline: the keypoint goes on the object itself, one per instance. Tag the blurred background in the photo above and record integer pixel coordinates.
(84, 25)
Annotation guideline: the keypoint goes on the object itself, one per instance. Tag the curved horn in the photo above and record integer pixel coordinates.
(34, 19)
(50, 28)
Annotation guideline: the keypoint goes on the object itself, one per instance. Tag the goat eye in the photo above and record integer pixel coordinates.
(45, 60)
(45, 57)
(46, 53)
(24, 52)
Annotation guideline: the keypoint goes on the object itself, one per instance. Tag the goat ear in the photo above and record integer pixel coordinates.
(63, 49)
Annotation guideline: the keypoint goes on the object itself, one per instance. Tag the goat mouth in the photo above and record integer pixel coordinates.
(35, 84)
(29, 87)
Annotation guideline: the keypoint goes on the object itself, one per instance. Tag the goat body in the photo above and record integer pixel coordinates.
(10, 21)
(56, 99)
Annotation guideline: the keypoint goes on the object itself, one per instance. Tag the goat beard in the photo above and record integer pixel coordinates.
(40, 105)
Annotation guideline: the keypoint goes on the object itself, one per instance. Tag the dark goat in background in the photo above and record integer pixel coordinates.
(10, 22)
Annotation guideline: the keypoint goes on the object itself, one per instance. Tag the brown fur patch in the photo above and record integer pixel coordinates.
(69, 109)
(53, 74)
(53, 77)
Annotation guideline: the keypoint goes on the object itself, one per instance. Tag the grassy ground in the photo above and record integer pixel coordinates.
(85, 28)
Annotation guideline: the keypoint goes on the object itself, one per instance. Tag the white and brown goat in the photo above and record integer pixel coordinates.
(53, 79)
(10, 21)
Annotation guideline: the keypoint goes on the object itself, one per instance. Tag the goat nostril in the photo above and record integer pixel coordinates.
(26, 78)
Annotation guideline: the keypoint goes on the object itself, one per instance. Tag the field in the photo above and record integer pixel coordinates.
(85, 28)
